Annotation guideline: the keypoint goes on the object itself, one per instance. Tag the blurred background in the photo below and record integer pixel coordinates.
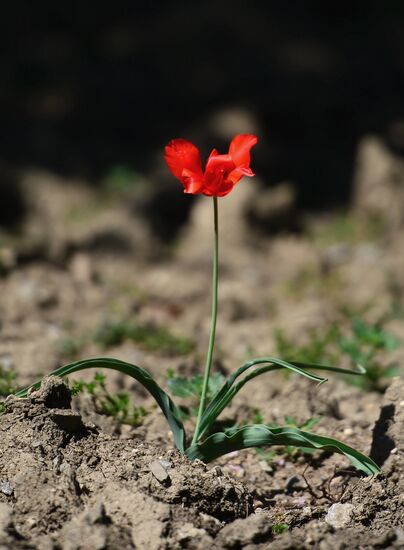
(86, 92)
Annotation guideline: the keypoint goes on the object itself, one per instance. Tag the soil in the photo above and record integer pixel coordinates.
(71, 478)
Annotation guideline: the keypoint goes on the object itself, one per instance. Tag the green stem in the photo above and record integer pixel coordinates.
(209, 356)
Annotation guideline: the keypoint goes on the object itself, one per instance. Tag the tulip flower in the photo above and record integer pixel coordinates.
(222, 172)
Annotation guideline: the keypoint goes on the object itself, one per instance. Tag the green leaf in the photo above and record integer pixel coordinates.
(170, 411)
(259, 435)
(279, 528)
(7, 380)
(230, 388)
(192, 387)
(374, 335)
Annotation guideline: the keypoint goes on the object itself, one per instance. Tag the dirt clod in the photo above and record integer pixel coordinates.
(256, 528)
(53, 393)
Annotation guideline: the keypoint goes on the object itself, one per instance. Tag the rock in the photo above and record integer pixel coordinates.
(6, 488)
(166, 464)
(160, 473)
(265, 466)
(339, 515)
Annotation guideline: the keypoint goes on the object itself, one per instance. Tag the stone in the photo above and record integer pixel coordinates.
(339, 515)
(159, 472)
(6, 488)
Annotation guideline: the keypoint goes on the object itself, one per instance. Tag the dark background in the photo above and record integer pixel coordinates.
(86, 86)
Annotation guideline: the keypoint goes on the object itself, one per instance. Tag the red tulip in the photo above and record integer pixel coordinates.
(222, 172)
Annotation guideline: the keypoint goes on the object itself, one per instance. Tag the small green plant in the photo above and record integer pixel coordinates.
(7, 384)
(150, 337)
(257, 416)
(191, 389)
(7, 381)
(363, 346)
(267, 456)
(316, 350)
(116, 405)
(114, 333)
(219, 178)
(279, 528)
(360, 344)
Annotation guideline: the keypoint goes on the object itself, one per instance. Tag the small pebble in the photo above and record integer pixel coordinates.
(6, 488)
(265, 466)
(159, 472)
(339, 515)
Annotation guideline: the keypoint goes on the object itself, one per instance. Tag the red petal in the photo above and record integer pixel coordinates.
(192, 182)
(218, 167)
(218, 163)
(240, 148)
(238, 173)
(182, 155)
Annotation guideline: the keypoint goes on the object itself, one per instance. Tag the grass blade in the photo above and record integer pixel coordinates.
(164, 401)
(259, 435)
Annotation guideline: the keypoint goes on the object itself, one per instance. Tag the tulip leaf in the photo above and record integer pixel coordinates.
(259, 435)
(230, 388)
(169, 409)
